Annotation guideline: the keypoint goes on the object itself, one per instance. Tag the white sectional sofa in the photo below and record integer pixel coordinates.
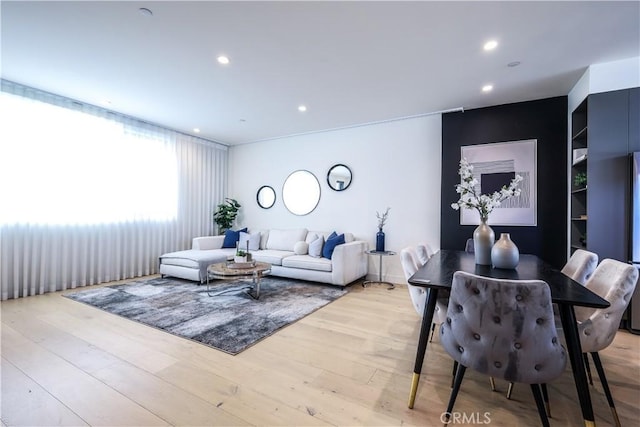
(286, 250)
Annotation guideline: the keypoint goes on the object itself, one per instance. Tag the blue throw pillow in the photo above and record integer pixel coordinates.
(231, 238)
(332, 241)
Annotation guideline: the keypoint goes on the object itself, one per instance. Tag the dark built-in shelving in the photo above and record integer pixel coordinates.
(578, 201)
(606, 125)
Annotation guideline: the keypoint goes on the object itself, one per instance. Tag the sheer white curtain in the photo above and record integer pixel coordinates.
(89, 196)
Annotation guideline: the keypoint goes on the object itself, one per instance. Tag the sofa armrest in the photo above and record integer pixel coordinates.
(207, 243)
(349, 262)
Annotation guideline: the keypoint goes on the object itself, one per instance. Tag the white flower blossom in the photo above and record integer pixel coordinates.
(483, 203)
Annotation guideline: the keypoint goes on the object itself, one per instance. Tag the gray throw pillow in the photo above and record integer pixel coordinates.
(253, 239)
(315, 247)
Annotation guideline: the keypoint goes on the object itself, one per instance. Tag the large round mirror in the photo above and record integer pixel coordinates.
(266, 196)
(339, 177)
(301, 192)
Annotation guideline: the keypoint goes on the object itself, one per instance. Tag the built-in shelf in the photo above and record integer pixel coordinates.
(605, 126)
(578, 162)
(582, 133)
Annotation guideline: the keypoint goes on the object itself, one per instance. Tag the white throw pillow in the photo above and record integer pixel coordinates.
(253, 239)
(283, 240)
(301, 248)
(264, 236)
(315, 247)
(311, 237)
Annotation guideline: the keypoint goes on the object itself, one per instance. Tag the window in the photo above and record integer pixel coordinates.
(62, 166)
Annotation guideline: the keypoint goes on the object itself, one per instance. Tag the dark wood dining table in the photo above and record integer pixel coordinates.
(437, 275)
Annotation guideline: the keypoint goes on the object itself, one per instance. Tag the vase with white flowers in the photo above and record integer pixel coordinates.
(470, 198)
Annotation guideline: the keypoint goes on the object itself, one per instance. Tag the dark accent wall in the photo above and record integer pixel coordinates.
(544, 120)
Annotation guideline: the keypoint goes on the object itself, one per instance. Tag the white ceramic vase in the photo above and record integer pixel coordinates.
(504, 253)
(483, 238)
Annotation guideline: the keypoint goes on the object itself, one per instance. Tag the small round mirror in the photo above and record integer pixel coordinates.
(339, 177)
(301, 192)
(266, 196)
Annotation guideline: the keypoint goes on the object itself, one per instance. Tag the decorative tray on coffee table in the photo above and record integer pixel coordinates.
(240, 265)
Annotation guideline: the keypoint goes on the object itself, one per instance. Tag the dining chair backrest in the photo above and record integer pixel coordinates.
(424, 252)
(469, 247)
(503, 328)
(614, 281)
(418, 294)
(581, 265)
(409, 261)
(409, 267)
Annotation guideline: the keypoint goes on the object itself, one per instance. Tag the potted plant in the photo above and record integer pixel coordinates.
(580, 180)
(225, 214)
(241, 256)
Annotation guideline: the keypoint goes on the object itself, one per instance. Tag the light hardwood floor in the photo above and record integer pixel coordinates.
(349, 364)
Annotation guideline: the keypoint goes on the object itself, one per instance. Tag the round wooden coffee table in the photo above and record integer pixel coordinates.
(230, 270)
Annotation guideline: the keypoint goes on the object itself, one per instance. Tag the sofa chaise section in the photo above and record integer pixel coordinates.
(192, 264)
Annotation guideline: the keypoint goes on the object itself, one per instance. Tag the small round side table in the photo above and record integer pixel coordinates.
(380, 254)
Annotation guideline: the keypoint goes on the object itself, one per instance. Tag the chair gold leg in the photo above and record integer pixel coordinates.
(588, 423)
(509, 390)
(493, 383)
(605, 386)
(414, 389)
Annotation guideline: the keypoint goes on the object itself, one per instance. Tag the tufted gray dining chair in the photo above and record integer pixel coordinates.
(581, 265)
(614, 281)
(409, 267)
(410, 264)
(424, 252)
(504, 329)
(469, 247)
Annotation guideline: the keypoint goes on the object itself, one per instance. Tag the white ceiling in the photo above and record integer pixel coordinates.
(349, 62)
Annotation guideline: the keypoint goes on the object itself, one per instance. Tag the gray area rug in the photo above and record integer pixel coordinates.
(230, 321)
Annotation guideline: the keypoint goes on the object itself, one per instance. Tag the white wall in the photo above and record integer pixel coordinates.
(605, 77)
(395, 164)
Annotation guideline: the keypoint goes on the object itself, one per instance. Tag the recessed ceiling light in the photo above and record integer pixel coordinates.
(223, 60)
(196, 130)
(302, 108)
(490, 45)
(145, 12)
(487, 88)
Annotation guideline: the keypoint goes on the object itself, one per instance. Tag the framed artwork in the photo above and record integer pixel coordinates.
(495, 165)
